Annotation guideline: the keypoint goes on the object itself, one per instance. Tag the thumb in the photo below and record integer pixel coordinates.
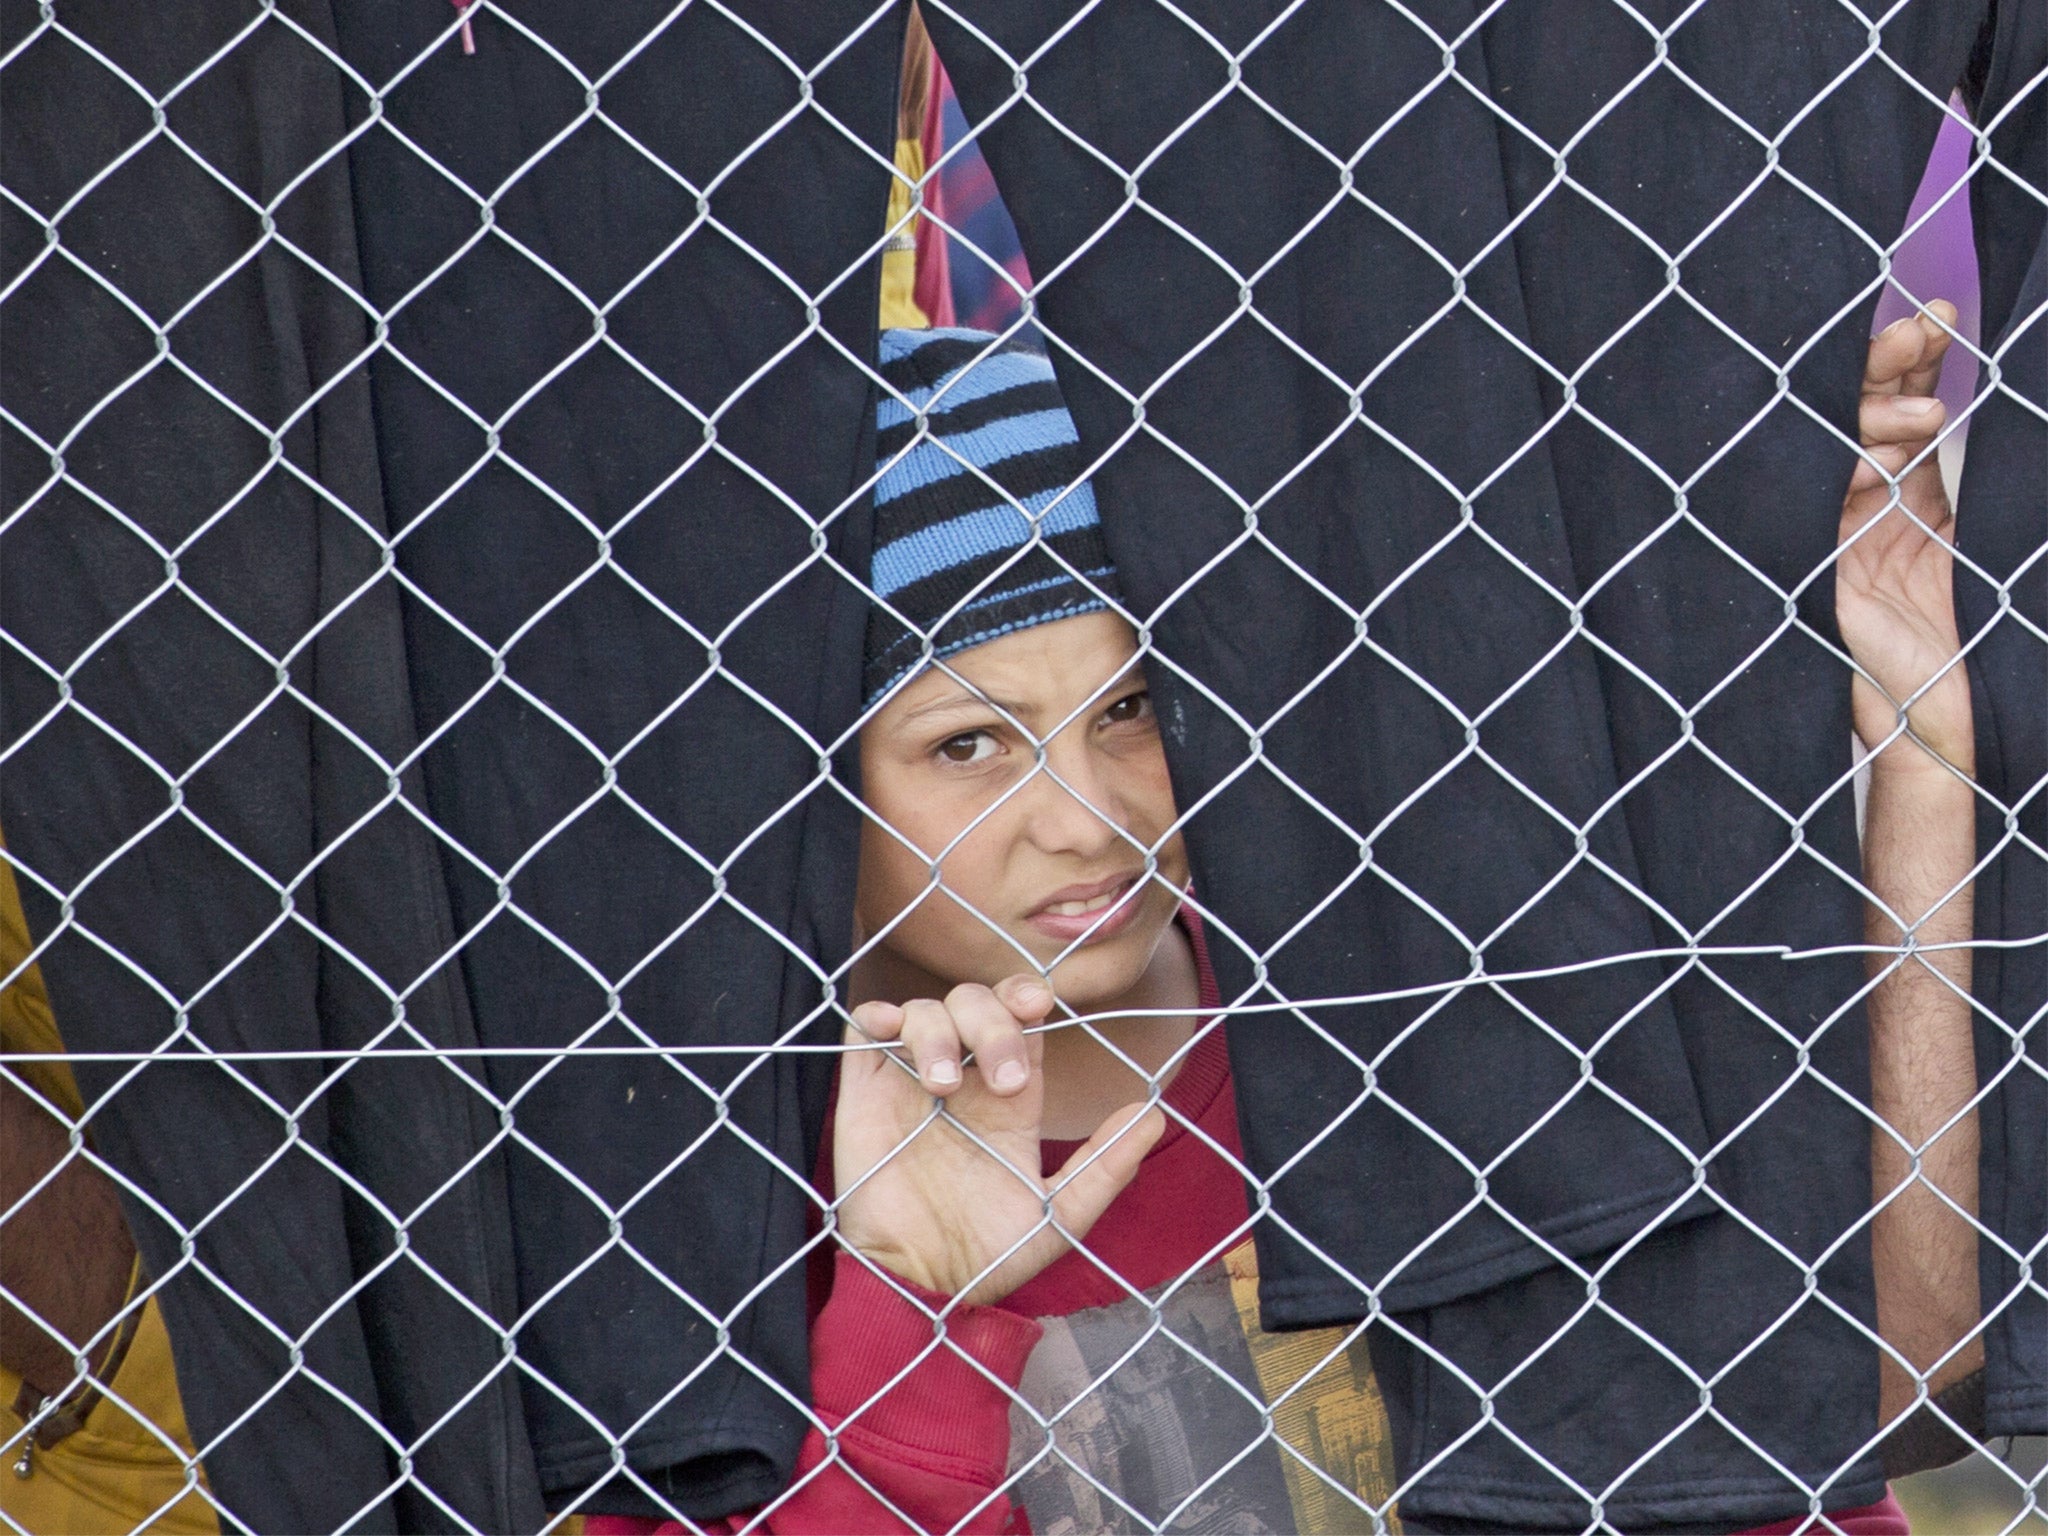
(1087, 1182)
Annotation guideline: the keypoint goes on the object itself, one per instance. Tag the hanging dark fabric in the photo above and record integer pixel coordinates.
(295, 1382)
(638, 848)
(501, 778)
(1459, 510)
(2002, 525)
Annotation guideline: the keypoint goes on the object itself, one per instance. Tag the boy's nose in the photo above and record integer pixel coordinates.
(1072, 809)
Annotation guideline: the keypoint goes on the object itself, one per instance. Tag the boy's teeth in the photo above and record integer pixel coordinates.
(1080, 908)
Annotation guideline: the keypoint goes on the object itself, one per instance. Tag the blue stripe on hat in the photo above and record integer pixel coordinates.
(922, 464)
(993, 530)
(901, 342)
(970, 381)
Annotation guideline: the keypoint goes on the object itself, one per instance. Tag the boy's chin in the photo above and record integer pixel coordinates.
(1098, 976)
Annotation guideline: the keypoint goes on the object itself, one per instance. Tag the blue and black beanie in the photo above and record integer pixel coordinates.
(996, 438)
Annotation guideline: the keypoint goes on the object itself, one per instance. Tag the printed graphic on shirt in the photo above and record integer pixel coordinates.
(1123, 1421)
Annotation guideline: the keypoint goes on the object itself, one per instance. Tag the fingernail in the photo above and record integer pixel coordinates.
(1915, 405)
(1896, 324)
(1011, 1074)
(1032, 994)
(944, 1073)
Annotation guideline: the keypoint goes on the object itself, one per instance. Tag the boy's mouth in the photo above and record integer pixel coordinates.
(1092, 912)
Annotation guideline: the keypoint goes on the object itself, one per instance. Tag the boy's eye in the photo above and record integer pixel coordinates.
(1132, 706)
(967, 747)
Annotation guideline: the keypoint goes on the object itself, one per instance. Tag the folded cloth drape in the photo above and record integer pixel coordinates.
(1433, 356)
(500, 452)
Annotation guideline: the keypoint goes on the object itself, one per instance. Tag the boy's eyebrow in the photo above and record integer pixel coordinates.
(957, 701)
(1016, 711)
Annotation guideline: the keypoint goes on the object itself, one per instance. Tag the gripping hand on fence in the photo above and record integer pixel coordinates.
(1895, 605)
(1894, 601)
(926, 1201)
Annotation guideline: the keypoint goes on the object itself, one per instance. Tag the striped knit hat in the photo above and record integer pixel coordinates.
(944, 530)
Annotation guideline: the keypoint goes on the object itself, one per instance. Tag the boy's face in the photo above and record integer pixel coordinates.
(1054, 860)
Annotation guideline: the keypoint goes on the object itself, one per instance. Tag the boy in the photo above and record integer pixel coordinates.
(1027, 776)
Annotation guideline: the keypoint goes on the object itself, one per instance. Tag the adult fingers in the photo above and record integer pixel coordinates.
(1881, 463)
(1934, 325)
(1905, 357)
(1893, 351)
(1107, 1161)
(987, 1026)
(1919, 499)
(1899, 418)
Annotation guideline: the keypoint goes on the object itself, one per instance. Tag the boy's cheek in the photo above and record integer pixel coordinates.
(958, 947)
(947, 922)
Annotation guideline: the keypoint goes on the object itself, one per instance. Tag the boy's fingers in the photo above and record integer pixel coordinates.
(934, 1045)
(986, 1026)
(875, 1021)
(1026, 996)
(1086, 1187)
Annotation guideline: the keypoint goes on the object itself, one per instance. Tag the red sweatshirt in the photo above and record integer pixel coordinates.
(1069, 1400)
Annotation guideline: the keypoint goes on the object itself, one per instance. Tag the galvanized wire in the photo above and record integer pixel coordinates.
(1686, 951)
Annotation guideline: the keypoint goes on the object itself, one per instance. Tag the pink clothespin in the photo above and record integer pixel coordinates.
(468, 37)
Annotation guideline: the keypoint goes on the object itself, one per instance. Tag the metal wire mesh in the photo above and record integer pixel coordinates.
(53, 231)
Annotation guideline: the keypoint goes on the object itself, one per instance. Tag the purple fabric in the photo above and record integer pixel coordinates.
(1939, 259)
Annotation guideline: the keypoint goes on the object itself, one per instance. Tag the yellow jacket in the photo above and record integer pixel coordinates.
(131, 1465)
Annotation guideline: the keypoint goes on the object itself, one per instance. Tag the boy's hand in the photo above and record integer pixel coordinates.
(1894, 601)
(924, 1201)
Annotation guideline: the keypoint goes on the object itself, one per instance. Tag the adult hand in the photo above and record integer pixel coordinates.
(1894, 600)
(925, 1201)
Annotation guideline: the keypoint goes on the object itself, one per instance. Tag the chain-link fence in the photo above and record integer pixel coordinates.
(1525, 784)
